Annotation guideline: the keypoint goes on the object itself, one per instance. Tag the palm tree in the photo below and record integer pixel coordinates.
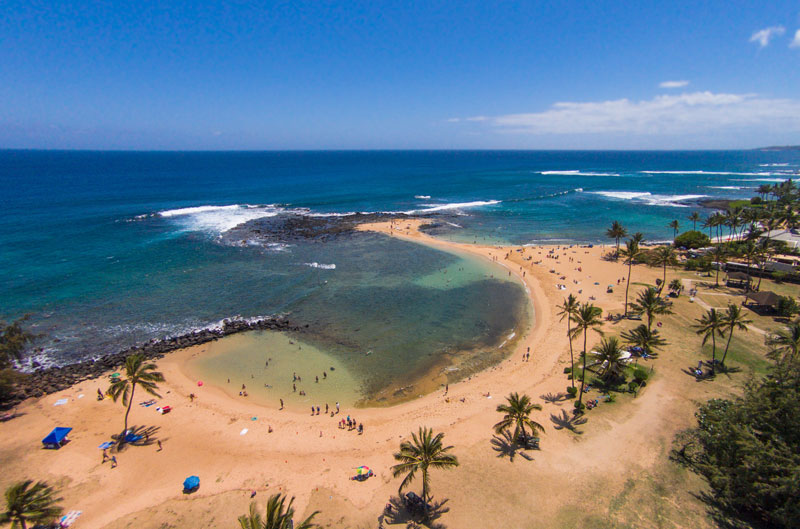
(674, 225)
(630, 252)
(733, 319)
(640, 336)
(586, 317)
(720, 256)
(609, 357)
(424, 452)
(278, 516)
(694, 217)
(764, 190)
(710, 326)
(709, 223)
(676, 286)
(786, 342)
(616, 232)
(663, 256)
(136, 372)
(29, 502)
(518, 414)
(567, 309)
(650, 304)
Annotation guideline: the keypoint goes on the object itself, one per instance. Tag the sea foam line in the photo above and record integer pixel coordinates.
(576, 173)
(322, 266)
(730, 173)
(649, 198)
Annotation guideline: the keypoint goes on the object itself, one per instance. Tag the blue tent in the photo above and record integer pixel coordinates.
(56, 438)
(191, 483)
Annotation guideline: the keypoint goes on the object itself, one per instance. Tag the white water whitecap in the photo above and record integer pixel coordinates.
(321, 266)
(576, 173)
(218, 219)
(649, 198)
(429, 208)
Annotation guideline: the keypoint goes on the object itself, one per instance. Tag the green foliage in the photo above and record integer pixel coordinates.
(13, 340)
(27, 501)
(779, 277)
(517, 413)
(633, 386)
(137, 373)
(567, 370)
(572, 391)
(423, 452)
(755, 201)
(692, 239)
(8, 377)
(641, 374)
(787, 307)
(278, 515)
(702, 264)
(748, 449)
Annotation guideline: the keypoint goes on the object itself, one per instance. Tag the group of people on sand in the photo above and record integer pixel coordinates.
(350, 425)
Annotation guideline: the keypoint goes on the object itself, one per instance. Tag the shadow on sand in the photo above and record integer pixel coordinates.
(505, 446)
(146, 437)
(554, 398)
(400, 516)
(568, 422)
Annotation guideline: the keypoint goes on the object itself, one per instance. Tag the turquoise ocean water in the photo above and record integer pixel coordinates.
(104, 250)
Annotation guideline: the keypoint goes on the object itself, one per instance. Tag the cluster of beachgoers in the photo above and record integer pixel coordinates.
(612, 367)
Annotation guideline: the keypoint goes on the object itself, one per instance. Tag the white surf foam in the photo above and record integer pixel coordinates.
(773, 165)
(649, 198)
(429, 208)
(775, 180)
(577, 173)
(729, 187)
(218, 219)
(426, 197)
(729, 173)
(322, 266)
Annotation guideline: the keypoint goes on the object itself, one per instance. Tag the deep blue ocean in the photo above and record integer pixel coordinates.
(107, 249)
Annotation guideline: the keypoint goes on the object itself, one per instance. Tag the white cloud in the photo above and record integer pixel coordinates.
(763, 36)
(453, 120)
(796, 40)
(477, 118)
(674, 84)
(685, 114)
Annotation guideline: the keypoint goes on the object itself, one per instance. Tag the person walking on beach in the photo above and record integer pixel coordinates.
(113, 461)
(281, 403)
(294, 388)
(337, 407)
(326, 408)
(105, 456)
(159, 445)
(446, 388)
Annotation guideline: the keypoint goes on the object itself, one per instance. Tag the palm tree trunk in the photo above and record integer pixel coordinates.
(425, 491)
(616, 255)
(725, 354)
(583, 371)
(713, 352)
(22, 523)
(664, 280)
(571, 355)
(628, 285)
(130, 401)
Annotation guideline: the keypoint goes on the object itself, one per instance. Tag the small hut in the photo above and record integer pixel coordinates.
(764, 300)
(738, 280)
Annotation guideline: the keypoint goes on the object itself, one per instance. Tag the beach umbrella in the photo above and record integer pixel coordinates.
(115, 375)
(191, 483)
(363, 471)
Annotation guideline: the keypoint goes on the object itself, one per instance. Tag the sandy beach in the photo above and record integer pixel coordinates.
(598, 474)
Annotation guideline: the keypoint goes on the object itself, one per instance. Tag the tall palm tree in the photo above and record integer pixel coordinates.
(786, 342)
(29, 502)
(710, 326)
(566, 310)
(694, 217)
(586, 317)
(616, 232)
(764, 190)
(650, 304)
(674, 225)
(663, 256)
(609, 358)
(640, 336)
(277, 516)
(709, 223)
(630, 253)
(137, 372)
(733, 319)
(425, 451)
(517, 413)
(720, 256)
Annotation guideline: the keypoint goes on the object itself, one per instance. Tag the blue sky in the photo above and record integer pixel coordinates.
(373, 75)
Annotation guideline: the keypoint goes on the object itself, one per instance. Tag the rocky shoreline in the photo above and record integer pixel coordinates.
(45, 381)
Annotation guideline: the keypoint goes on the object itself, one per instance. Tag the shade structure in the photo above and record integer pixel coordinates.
(55, 438)
(363, 471)
(191, 483)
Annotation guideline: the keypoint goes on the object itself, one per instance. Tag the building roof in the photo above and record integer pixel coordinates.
(765, 297)
(738, 276)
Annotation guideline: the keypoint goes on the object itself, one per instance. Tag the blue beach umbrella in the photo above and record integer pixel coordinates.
(191, 483)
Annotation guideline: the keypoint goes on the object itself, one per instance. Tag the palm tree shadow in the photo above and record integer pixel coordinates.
(705, 377)
(399, 515)
(565, 421)
(554, 398)
(146, 436)
(505, 446)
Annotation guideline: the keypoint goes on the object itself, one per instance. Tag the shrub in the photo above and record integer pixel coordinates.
(567, 370)
(692, 239)
(633, 386)
(572, 391)
(779, 277)
(579, 405)
(787, 307)
(641, 374)
(611, 398)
